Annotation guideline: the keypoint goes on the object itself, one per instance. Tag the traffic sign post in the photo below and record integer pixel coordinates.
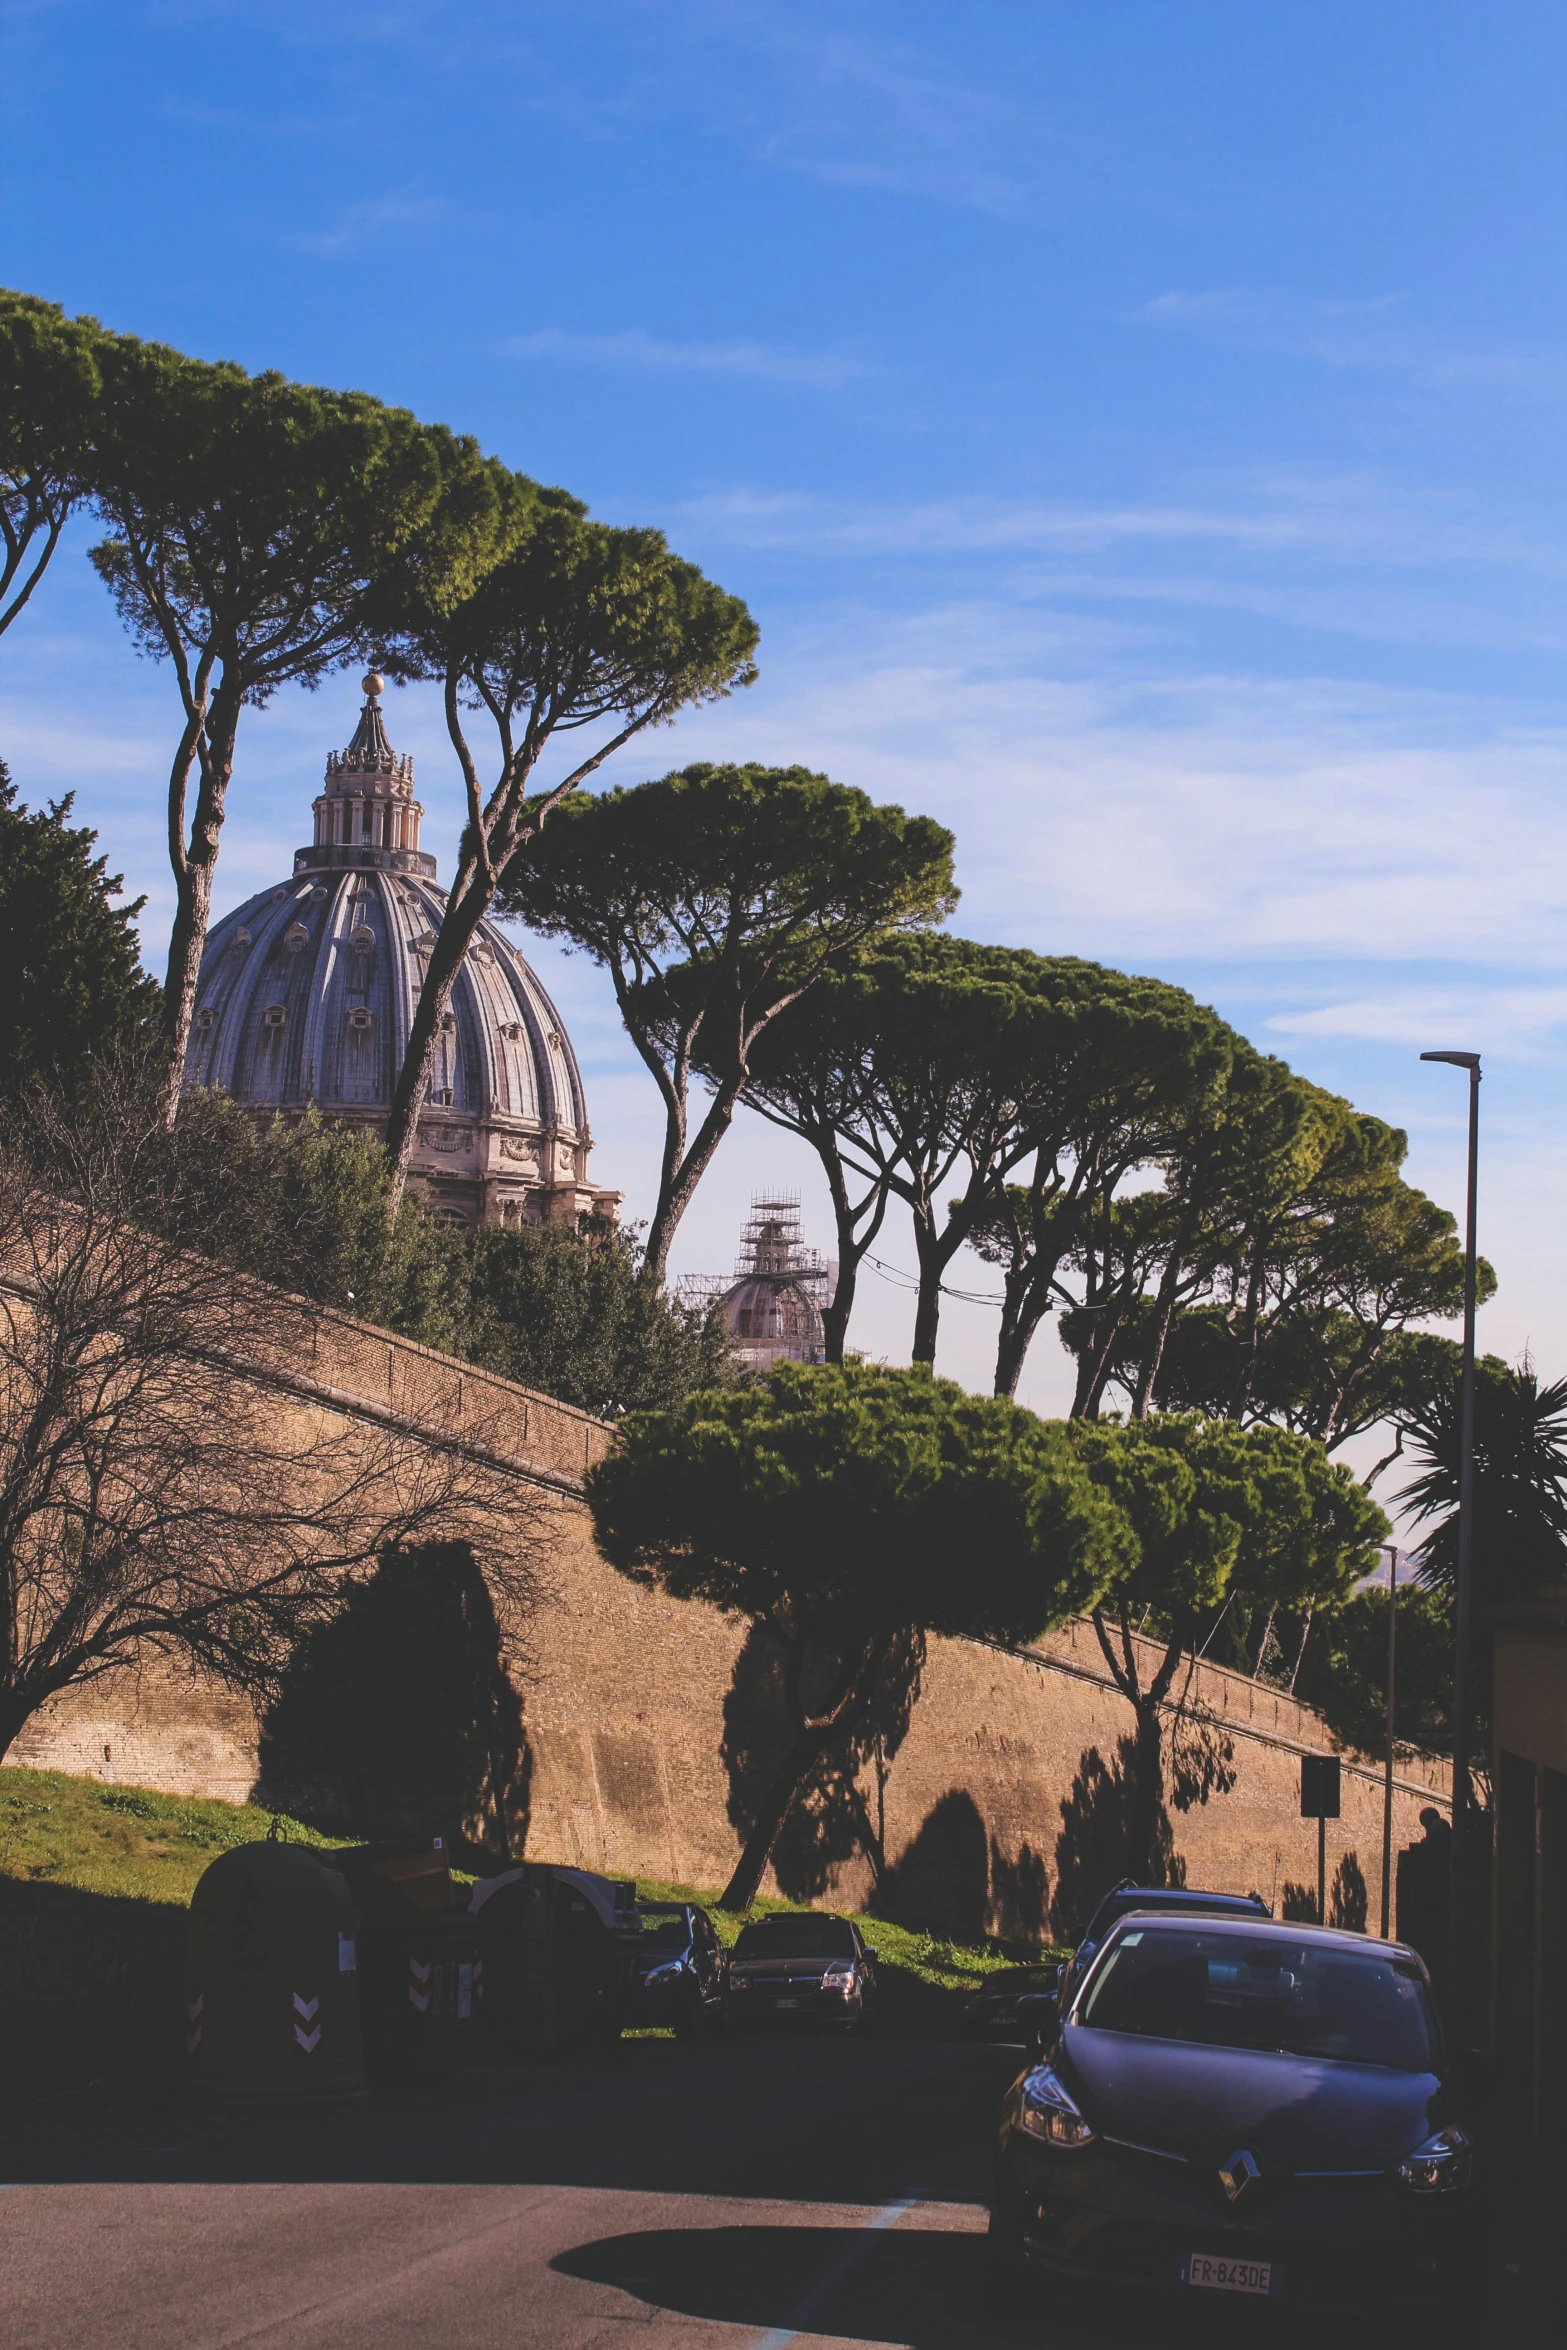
(1320, 1779)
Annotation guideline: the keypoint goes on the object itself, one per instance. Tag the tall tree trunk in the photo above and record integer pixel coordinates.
(784, 1785)
(465, 910)
(195, 863)
(678, 1182)
(1145, 1813)
(835, 1321)
(932, 1264)
(1164, 1315)
(1017, 1336)
(812, 1738)
(1145, 1801)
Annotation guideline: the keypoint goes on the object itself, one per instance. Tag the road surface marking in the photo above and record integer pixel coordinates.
(888, 2217)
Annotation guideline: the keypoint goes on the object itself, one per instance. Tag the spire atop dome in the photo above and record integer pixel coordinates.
(367, 814)
(370, 747)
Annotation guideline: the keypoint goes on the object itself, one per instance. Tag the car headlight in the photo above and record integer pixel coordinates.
(1046, 2110)
(840, 1977)
(1441, 2165)
(665, 1973)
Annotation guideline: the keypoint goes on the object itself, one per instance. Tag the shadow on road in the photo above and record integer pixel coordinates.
(858, 2122)
(914, 2286)
(922, 2288)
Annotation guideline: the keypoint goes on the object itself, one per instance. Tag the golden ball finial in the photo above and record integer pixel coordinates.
(373, 684)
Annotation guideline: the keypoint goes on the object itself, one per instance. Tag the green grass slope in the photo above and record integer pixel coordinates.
(95, 1883)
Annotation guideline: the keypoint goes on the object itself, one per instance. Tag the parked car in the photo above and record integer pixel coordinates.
(991, 2012)
(1243, 2109)
(1186, 1900)
(680, 1970)
(799, 1967)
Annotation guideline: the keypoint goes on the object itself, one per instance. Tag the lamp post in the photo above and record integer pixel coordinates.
(1456, 2000)
(1387, 1781)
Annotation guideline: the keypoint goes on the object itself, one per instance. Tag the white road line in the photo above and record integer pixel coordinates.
(888, 2217)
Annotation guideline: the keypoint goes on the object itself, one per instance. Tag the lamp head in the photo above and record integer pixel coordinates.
(1458, 1060)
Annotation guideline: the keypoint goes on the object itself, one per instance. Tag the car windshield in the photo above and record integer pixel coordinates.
(1234, 1990)
(796, 1937)
(665, 1929)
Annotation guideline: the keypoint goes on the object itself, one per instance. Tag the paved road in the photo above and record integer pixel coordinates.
(732, 2197)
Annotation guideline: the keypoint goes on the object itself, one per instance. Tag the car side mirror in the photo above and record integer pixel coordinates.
(1039, 2013)
(869, 1952)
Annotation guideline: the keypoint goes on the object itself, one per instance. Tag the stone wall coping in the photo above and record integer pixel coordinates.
(1193, 1702)
(496, 1380)
(1210, 1690)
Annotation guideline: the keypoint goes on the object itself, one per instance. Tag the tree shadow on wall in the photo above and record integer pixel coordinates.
(942, 1878)
(832, 1820)
(1202, 1760)
(954, 1879)
(1019, 1893)
(1093, 1850)
(398, 1718)
(1349, 1898)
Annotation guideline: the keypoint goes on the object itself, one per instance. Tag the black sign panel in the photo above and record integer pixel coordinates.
(1319, 1786)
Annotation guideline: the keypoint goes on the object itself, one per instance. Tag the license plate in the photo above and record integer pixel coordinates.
(1223, 2273)
(789, 2003)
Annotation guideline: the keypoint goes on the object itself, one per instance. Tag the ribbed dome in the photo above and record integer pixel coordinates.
(772, 1309)
(307, 996)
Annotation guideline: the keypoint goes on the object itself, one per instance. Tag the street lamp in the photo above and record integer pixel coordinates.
(1466, 1476)
(1387, 1780)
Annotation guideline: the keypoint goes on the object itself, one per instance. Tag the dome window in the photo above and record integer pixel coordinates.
(361, 940)
(240, 941)
(448, 1023)
(360, 1019)
(441, 1096)
(296, 936)
(275, 1016)
(512, 1031)
(205, 1017)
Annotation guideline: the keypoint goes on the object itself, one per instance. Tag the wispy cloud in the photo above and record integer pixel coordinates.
(1378, 336)
(1343, 515)
(1522, 1022)
(636, 351)
(363, 223)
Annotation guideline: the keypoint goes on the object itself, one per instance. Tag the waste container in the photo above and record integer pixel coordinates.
(559, 1951)
(420, 1981)
(272, 1984)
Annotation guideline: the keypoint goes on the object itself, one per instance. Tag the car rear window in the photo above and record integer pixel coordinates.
(1235, 1990)
(796, 1936)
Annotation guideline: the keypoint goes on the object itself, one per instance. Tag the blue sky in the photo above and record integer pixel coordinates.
(1137, 430)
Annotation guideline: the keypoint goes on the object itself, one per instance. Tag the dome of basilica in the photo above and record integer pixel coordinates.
(307, 995)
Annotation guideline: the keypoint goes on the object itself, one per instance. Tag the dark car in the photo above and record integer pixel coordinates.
(1187, 1900)
(992, 2011)
(802, 1967)
(1246, 2109)
(680, 1970)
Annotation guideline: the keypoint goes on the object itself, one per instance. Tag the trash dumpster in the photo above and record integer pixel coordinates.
(272, 1985)
(559, 1953)
(420, 1981)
